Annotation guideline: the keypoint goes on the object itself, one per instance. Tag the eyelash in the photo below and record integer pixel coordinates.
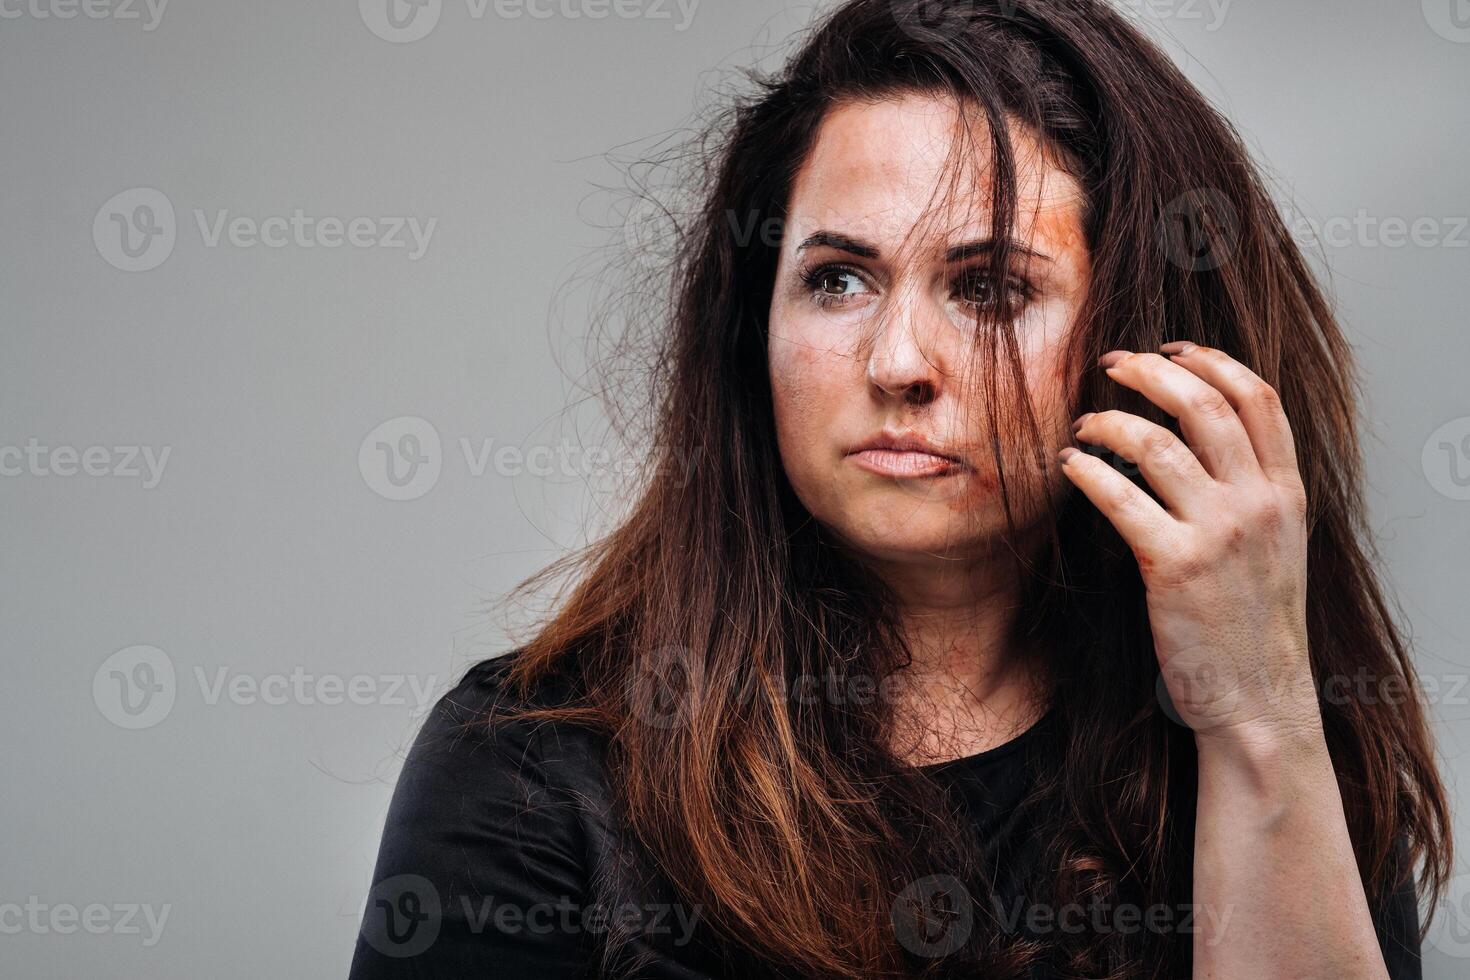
(1018, 287)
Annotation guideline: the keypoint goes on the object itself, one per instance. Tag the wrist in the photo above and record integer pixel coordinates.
(1270, 762)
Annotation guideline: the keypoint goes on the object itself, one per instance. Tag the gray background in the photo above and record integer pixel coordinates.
(268, 548)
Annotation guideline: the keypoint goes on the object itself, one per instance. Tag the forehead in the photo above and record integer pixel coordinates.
(888, 172)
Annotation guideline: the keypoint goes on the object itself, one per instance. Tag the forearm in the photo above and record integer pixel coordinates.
(1274, 874)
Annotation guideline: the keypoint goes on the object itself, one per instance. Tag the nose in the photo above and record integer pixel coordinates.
(904, 361)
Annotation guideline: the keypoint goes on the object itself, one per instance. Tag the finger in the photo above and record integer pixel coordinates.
(1166, 463)
(1206, 417)
(1256, 404)
(1139, 519)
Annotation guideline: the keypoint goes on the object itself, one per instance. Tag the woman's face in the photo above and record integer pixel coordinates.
(873, 354)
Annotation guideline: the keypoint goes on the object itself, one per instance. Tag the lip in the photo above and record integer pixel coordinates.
(904, 455)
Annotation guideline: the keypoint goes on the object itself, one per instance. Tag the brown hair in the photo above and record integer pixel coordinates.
(719, 583)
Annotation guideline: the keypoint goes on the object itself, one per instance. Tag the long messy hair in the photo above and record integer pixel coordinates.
(719, 587)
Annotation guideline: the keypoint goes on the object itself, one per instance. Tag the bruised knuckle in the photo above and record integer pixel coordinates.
(1232, 532)
(1270, 516)
(1265, 516)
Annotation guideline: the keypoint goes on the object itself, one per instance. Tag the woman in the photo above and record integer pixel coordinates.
(883, 676)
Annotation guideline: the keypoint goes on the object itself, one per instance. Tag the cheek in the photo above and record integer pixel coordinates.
(1049, 382)
(1028, 472)
(1048, 372)
(799, 370)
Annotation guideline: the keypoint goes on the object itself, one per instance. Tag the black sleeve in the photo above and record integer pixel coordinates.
(1396, 921)
(481, 869)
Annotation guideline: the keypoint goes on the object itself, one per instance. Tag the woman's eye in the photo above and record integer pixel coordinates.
(982, 291)
(834, 285)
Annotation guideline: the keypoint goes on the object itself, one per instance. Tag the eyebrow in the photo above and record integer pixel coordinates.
(956, 253)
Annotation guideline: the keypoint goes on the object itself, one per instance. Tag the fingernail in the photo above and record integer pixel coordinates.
(1177, 347)
(1081, 421)
(1066, 454)
(1113, 357)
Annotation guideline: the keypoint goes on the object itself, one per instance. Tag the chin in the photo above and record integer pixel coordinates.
(915, 531)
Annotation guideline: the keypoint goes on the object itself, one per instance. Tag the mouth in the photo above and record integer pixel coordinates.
(905, 456)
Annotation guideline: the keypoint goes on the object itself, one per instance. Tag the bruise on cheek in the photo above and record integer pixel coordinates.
(980, 487)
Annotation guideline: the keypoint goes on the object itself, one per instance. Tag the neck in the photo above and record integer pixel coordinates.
(972, 683)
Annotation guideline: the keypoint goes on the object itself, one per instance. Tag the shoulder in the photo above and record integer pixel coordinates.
(493, 820)
(474, 726)
(472, 752)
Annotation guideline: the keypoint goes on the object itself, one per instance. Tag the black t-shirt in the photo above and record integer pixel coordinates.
(497, 845)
